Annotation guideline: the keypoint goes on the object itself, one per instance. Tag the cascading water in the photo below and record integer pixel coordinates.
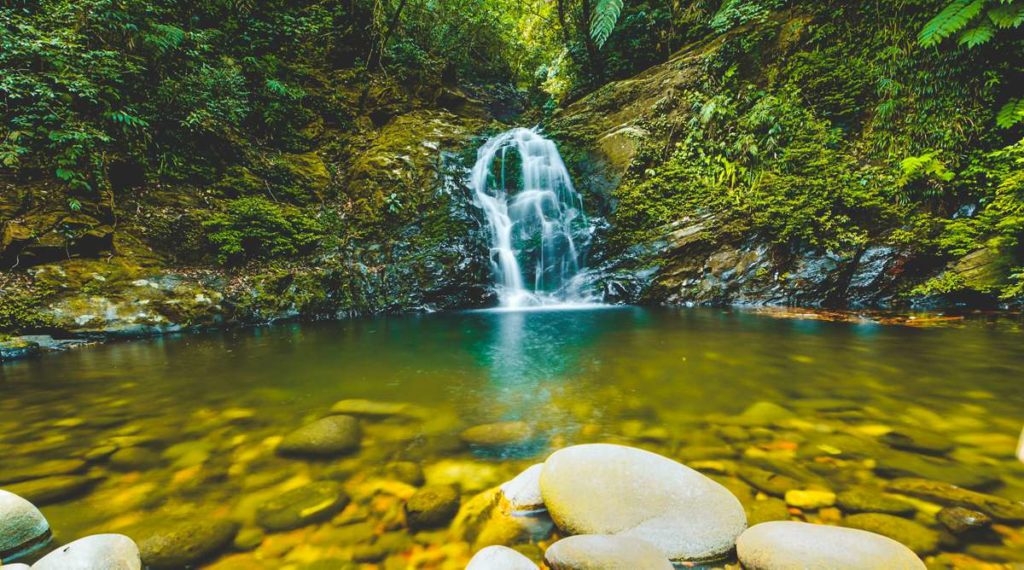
(539, 232)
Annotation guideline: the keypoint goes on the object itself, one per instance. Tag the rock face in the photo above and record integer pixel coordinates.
(612, 489)
(327, 437)
(431, 507)
(783, 545)
(500, 558)
(182, 545)
(23, 529)
(605, 552)
(97, 552)
(307, 504)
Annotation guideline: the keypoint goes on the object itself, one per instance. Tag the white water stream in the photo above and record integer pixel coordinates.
(539, 232)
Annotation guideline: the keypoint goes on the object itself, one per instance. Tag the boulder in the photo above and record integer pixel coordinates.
(605, 552)
(613, 489)
(431, 507)
(327, 437)
(783, 545)
(183, 544)
(23, 529)
(96, 552)
(314, 502)
(500, 558)
(522, 493)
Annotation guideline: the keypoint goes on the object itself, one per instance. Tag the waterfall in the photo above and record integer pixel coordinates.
(539, 233)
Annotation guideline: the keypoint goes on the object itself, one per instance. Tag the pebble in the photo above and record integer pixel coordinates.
(327, 437)
(500, 558)
(810, 499)
(310, 503)
(23, 529)
(96, 552)
(960, 520)
(605, 552)
(613, 489)
(784, 545)
(431, 507)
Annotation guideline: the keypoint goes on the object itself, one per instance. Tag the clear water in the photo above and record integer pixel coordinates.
(665, 380)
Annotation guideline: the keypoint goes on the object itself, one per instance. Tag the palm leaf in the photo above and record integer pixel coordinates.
(953, 18)
(1011, 114)
(606, 14)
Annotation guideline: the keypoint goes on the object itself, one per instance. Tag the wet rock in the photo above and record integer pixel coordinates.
(766, 481)
(17, 348)
(605, 552)
(42, 469)
(500, 558)
(914, 536)
(905, 465)
(943, 493)
(864, 500)
(468, 476)
(960, 520)
(782, 545)
(919, 441)
(613, 489)
(523, 492)
(810, 499)
(135, 459)
(406, 472)
(327, 437)
(313, 502)
(769, 509)
(498, 434)
(183, 544)
(483, 521)
(23, 529)
(247, 539)
(49, 490)
(100, 551)
(431, 507)
(372, 409)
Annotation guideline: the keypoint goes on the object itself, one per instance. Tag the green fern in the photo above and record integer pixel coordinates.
(165, 38)
(949, 21)
(1011, 114)
(1007, 15)
(974, 37)
(606, 14)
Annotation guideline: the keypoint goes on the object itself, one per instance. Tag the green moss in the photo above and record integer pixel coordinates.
(256, 228)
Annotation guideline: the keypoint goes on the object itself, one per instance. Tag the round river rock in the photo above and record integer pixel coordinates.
(23, 529)
(431, 507)
(783, 545)
(310, 503)
(605, 552)
(500, 558)
(106, 551)
(180, 545)
(613, 489)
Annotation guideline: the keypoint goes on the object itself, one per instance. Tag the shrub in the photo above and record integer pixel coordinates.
(256, 228)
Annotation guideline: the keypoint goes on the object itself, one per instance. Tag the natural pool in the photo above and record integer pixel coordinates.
(183, 429)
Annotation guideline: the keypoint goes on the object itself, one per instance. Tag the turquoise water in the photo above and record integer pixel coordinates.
(665, 380)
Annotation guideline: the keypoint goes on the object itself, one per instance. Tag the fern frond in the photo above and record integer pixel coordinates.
(974, 37)
(1011, 114)
(164, 37)
(606, 14)
(1007, 15)
(953, 18)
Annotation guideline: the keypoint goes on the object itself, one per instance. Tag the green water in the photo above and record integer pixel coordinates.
(210, 406)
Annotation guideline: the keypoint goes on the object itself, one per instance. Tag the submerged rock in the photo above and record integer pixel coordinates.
(613, 489)
(770, 509)
(914, 536)
(23, 529)
(96, 552)
(605, 552)
(50, 490)
(326, 437)
(406, 471)
(500, 558)
(372, 409)
(768, 482)
(310, 503)
(180, 545)
(861, 500)
(960, 520)
(42, 469)
(810, 499)
(135, 459)
(431, 507)
(918, 440)
(783, 545)
(996, 507)
(498, 434)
